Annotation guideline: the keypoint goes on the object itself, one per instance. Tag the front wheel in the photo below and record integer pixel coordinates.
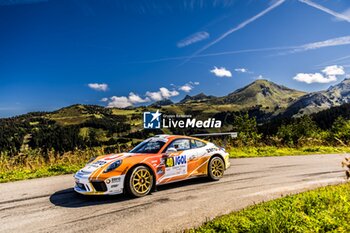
(139, 182)
(216, 168)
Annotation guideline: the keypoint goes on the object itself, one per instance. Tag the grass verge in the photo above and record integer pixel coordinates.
(265, 151)
(33, 164)
(325, 209)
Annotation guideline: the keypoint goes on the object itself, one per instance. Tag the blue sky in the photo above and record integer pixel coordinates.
(121, 53)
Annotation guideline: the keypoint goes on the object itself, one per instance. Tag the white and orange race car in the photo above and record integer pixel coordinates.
(158, 160)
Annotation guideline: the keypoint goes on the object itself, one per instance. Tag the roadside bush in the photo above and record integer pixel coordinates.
(247, 130)
(341, 131)
(300, 130)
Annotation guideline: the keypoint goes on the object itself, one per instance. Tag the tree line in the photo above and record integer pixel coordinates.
(328, 127)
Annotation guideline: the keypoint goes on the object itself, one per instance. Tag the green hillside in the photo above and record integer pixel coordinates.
(80, 126)
(262, 93)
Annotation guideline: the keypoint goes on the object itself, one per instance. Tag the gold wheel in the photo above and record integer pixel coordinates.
(141, 181)
(216, 168)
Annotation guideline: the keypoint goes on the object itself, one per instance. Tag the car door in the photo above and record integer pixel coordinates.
(176, 162)
(197, 162)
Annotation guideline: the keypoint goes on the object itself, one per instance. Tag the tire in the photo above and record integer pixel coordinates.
(139, 182)
(216, 168)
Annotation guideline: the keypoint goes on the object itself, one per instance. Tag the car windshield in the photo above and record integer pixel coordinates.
(149, 146)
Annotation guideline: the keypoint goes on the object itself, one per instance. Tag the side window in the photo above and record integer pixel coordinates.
(193, 144)
(181, 144)
(199, 143)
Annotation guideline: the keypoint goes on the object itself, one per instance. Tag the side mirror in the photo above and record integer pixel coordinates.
(171, 150)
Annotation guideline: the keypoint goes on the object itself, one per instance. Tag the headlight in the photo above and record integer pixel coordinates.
(113, 166)
(92, 159)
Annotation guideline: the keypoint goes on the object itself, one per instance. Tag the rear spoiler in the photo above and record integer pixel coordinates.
(232, 134)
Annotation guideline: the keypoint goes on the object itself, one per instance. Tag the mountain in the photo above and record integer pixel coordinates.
(201, 97)
(264, 98)
(262, 93)
(160, 103)
(321, 100)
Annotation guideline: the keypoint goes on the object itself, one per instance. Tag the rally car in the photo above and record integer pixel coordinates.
(158, 160)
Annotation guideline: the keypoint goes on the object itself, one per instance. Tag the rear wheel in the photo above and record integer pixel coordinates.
(216, 168)
(139, 182)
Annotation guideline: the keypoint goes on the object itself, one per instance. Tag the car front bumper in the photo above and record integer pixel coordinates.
(89, 186)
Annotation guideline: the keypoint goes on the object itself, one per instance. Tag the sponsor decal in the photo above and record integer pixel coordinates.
(115, 180)
(209, 150)
(98, 163)
(175, 161)
(176, 166)
(157, 120)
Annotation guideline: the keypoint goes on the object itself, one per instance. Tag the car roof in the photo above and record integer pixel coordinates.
(171, 137)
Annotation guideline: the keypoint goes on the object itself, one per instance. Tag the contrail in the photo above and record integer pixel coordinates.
(341, 59)
(216, 54)
(240, 26)
(324, 9)
(339, 41)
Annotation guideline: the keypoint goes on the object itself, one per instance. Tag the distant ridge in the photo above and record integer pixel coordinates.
(264, 97)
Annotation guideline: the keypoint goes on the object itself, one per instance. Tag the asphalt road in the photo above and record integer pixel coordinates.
(51, 205)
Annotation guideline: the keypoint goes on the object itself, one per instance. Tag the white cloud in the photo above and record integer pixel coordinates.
(155, 96)
(259, 77)
(136, 99)
(221, 72)
(333, 70)
(119, 102)
(314, 78)
(167, 93)
(163, 93)
(186, 88)
(123, 101)
(133, 99)
(199, 36)
(98, 86)
(241, 70)
(327, 10)
(329, 74)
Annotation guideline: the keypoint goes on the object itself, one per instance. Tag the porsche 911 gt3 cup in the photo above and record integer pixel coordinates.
(158, 160)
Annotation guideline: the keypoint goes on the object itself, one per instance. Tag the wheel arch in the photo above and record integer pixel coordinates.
(128, 173)
(218, 155)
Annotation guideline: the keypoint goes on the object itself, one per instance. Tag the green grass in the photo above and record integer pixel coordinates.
(325, 209)
(117, 111)
(53, 170)
(264, 151)
(34, 165)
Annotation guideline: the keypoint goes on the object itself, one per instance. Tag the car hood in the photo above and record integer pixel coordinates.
(103, 161)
